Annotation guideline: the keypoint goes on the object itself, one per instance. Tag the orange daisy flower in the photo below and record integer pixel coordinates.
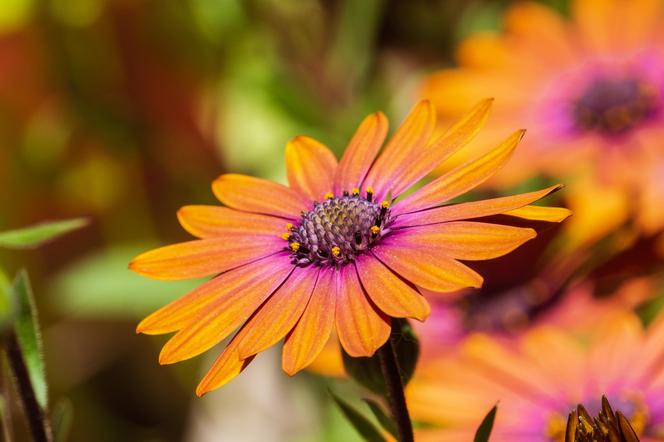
(336, 249)
(538, 378)
(590, 90)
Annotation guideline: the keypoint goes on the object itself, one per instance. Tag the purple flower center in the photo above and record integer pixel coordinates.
(613, 106)
(337, 230)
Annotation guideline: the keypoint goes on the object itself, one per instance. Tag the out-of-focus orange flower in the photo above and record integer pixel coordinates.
(540, 377)
(337, 249)
(590, 90)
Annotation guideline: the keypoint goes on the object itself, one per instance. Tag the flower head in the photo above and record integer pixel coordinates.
(539, 377)
(339, 248)
(591, 91)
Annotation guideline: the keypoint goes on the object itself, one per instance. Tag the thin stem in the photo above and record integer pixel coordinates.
(395, 395)
(37, 419)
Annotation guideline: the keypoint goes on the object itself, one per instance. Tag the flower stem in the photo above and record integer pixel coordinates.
(37, 419)
(395, 395)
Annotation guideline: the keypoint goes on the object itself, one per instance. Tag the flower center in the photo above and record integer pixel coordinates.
(337, 230)
(613, 106)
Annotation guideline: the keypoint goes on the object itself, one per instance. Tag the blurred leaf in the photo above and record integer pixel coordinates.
(650, 309)
(36, 235)
(363, 426)
(101, 286)
(14, 14)
(367, 371)
(62, 417)
(484, 430)
(7, 303)
(385, 421)
(29, 336)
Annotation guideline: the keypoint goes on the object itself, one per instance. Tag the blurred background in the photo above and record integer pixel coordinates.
(124, 111)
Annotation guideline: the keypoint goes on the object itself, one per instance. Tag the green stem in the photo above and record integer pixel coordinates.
(37, 419)
(395, 395)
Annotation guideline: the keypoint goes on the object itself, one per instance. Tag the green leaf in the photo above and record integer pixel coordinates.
(36, 235)
(484, 430)
(29, 337)
(363, 426)
(100, 286)
(367, 371)
(383, 418)
(62, 417)
(7, 303)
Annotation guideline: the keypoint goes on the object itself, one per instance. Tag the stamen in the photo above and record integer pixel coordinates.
(295, 246)
(385, 204)
(289, 226)
(356, 191)
(336, 251)
(370, 193)
(286, 236)
(375, 230)
(329, 195)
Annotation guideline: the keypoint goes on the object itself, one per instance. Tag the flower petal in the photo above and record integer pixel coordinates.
(540, 213)
(203, 257)
(390, 293)
(475, 209)
(307, 339)
(466, 240)
(280, 313)
(257, 195)
(361, 328)
(420, 163)
(225, 367)
(310, 167)
(408, 141)
(427, 268)
(360, 153)
(182, 311)
(460, 179)
(213, 221)
(220, 317)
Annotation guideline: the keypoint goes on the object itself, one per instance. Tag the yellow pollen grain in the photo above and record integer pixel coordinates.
(375, 230)
(370, 190)
(385, 204)
(355, 191)
(286, 236)
(336, 250)
(295, 246)
(289, 226)
(329, 195)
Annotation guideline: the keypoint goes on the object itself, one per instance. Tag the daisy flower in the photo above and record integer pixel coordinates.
(337, 249)
(540, 377)
(589, 88)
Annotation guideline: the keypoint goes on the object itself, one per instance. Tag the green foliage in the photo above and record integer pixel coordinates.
(26, 326)
(367, 371)
(36, 235)
(363, 425)
(383, 418)
(63, 415)
(7, 304)
(484, 430)
(100, 286)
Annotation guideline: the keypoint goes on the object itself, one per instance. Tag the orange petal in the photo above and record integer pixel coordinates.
(428, 269)
(179, 313)
(466, 240)
(390, 293)
(361, 328)
(420, 163)
(313, 329)
(260, 196)
(212, 221)
(225, 367)
(408, 141)
(203, 257)
(540, 213)
(462, 178)
(310, 167)
(360, 153)
(221, 317)
(280, 313)
(474, 209)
